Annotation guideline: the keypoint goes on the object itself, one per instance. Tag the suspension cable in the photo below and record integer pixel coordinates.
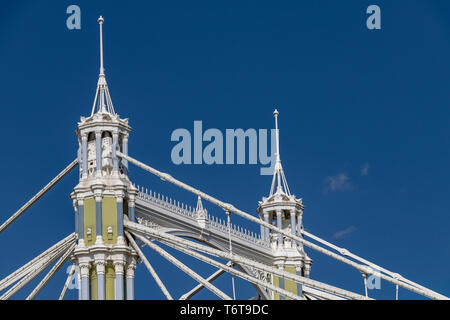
(149, 266)
(362, 268)
(365, 283)
(66, 284)
(231, 270)
(51, 273)
(184, 268)
(38, 195)
(231, 250)
(154, 233)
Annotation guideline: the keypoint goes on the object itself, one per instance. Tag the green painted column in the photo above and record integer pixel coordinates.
(110, 276)
(93, 282)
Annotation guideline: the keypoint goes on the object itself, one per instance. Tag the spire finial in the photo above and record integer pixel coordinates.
(278, 175)
(102, 98)
(100, 22)
(275, 114)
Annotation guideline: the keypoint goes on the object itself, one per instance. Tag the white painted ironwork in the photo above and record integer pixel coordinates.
(31, 265)
(226, 206)
(230, 270)
(51, 273)
(37, 269)
(38, 195)
(346, 252)
(262, 257)
(231, 252)
(149, 266)
(200, 286)
(161, 235)
(102, 97)
(185, 268)
(279, 182)
(66, 284)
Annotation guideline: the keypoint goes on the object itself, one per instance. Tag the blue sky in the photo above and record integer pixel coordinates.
(364, 120)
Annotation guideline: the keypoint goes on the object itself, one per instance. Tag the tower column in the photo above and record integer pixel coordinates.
(100, 267)
(281, 281)
(130, 280)
(299, 223)
(98, 219)
(84, 154)
(131, 208)
(280, 238)
(98, 152)
(299, 285)
(293, 225)
(80, 161)
(80, 222)
(120, 238)
(125, 150)
(118, 284)
(78, 279)
(75, 208)
(114, 155)
(84, 274)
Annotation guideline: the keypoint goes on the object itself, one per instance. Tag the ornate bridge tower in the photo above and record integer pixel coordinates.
(285, 211)
(102, 197)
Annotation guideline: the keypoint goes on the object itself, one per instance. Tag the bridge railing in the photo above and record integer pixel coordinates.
(214, 222)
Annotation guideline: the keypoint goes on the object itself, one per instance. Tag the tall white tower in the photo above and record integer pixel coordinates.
(102, 197)
(285, 211)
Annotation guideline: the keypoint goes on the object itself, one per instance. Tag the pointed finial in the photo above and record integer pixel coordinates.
(275, 114)
(102, 98)
(100, 22)
(279, 180)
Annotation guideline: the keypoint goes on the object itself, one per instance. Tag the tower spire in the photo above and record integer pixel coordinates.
(279, 178)
(102, 100)
(102, 70)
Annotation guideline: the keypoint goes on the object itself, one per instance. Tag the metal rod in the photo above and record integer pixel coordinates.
(346, 252)
(51, 273)
(239, 259)
(226, 206)
(38, 195)
(30, 276)
(184, 268)
(200, 286)
(66, 284)
(231, 251)
(149, 266)
(27, 268)
(233, 271)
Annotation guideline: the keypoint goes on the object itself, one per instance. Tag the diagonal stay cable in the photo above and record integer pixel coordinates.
(28, 267)
(146, 231)
(38, 195)
(66, 283)
(52, 272)
(185, 269)
(149, 266)
(226, 206)
(31, 275)
(200, 286)
(228, 269)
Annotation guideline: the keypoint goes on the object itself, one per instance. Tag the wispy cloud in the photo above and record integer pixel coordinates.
(365, 169)
(343, 233)
(338, 182)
